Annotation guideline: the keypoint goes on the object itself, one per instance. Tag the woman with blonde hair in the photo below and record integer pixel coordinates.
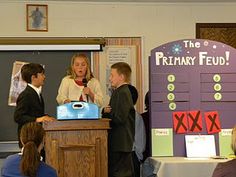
(28, 163)
(80, 84)
(227, 169)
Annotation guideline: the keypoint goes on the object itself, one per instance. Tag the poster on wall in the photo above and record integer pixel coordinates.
(114, 54)
(17, 84)
(192, 87)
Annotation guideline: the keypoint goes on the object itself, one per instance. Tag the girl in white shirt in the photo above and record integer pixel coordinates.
(80, 84)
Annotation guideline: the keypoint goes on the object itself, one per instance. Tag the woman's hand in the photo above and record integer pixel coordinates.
(67, 101)
(88, 91)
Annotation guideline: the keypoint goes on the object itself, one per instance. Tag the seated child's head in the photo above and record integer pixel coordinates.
(147, 101)
(134, 93)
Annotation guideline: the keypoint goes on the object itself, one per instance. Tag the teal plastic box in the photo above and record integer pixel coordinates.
(78, 110)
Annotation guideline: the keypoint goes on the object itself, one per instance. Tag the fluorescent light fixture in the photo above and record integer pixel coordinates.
(90, 47)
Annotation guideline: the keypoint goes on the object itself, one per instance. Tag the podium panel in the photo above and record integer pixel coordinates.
(77, 147)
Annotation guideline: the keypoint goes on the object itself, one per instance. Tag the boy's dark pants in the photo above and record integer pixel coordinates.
(120, 164)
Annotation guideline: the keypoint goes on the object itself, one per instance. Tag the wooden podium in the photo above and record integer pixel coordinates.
(77, 148)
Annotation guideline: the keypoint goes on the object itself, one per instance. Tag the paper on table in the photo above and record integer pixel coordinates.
(200, 145)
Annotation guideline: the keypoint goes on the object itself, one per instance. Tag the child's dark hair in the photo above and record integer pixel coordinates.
(134, 93)
(146, 101)
(29, 70)
(31, 136)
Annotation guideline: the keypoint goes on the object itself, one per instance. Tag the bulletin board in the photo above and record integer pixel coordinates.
(192, 87)
(127, 49)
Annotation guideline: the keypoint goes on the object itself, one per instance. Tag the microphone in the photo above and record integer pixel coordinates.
(84, 81)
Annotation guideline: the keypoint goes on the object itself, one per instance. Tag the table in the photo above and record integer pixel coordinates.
(179, 167)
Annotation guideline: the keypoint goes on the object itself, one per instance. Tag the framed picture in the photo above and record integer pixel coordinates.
(37, 17)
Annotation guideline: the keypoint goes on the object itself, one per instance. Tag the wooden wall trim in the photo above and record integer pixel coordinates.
(49, 40)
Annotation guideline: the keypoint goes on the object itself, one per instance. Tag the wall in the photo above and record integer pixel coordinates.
(156, 23)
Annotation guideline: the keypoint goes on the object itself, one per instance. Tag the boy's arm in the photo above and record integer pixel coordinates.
(106, 112)
(22, 115)
(122, 107)
(22, 108)
(140, 134)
